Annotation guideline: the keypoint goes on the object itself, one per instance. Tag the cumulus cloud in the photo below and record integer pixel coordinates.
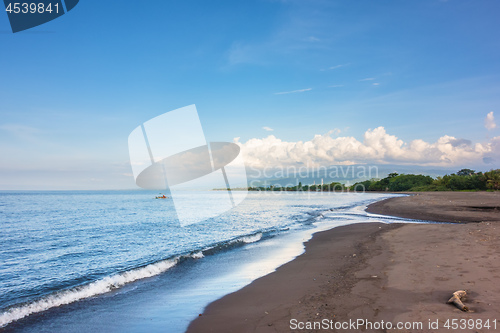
(460, 142)
(377, 147)
(489, 121)
(269, 129)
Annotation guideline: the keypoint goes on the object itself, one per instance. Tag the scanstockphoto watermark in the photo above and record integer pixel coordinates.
(27, 14)
(170, 153)
(311, 178)
(355, 325)
(309, 169)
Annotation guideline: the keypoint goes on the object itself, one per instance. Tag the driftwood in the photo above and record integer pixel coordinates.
(457, 298)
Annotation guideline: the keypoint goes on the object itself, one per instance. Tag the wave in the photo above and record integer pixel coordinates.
(116, 281)
(98, 287)
(198, 255)
(250, 238)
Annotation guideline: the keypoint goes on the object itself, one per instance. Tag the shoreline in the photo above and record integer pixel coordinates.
(170, 300)
(457, 207)
(393, 272)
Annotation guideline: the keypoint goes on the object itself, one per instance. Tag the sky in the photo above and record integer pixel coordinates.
(327, 82)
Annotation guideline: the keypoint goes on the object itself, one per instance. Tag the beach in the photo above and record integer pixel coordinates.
(119, 262)
(373, 274)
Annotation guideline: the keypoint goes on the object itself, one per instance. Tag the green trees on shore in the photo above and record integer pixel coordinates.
(463, 180)
(493, 179)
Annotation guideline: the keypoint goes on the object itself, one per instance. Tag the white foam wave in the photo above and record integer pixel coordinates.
(197, 255)
(252, 238)
(95, 288)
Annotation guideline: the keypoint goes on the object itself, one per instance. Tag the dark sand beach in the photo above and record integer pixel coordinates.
(397, 273)
(442, 206)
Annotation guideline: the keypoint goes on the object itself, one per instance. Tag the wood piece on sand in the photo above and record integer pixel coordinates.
(457, 298)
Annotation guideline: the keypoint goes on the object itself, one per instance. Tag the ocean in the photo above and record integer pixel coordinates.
(118, 261)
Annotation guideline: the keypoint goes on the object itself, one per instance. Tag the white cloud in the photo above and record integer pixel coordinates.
(376, 84)
(377, 147)
(293, 91)
(339, 66)
(489, 121)
(368, 79)
(335, 131)
(269, 129)
(336, 67)
(313, 39)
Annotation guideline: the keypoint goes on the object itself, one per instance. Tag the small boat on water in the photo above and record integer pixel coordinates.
(161, 196)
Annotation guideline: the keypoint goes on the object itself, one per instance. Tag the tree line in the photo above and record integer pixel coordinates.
(463, 180)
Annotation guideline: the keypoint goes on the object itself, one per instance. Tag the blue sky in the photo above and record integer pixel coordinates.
(72, 90)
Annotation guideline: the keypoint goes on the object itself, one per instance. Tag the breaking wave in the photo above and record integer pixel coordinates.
(98, 287)
(113, 282)
(250, 239)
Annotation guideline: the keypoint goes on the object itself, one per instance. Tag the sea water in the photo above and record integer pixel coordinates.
(61, 249)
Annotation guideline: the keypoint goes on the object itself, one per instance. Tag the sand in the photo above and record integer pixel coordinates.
(397, 273)
(443, 206)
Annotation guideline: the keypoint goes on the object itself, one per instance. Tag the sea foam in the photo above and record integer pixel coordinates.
(252, 238)
(98, 287)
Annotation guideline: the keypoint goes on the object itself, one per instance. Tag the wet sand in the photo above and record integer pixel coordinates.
(373, 271)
